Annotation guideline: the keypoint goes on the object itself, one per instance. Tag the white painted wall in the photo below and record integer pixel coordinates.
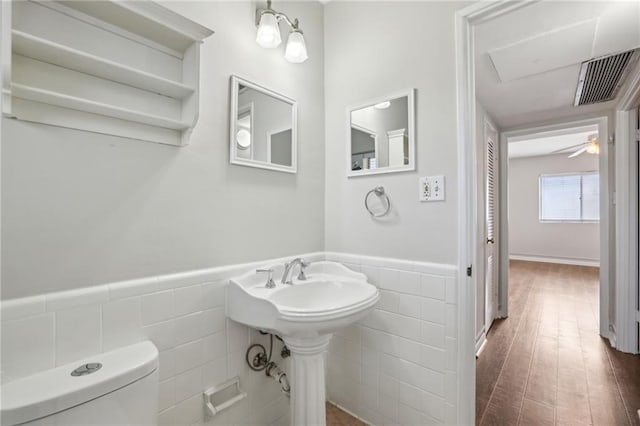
(398, 46)
(379, 370)
(81, 209)
(529, 237)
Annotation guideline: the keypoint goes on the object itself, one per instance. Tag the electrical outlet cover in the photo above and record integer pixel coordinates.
(431, 188)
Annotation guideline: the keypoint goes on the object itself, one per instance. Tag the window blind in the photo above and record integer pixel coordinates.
(569, 197)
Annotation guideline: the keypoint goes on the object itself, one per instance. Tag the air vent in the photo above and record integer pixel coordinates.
(601, 78)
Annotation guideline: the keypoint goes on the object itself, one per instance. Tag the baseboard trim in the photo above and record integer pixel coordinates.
(481, 339)
(560, 260)
(480, 344)
(612, 336)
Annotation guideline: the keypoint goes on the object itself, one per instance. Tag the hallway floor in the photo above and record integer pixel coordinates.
(546, 363)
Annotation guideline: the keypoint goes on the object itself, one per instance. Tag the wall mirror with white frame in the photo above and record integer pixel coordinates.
(263, 127)
(382, 135)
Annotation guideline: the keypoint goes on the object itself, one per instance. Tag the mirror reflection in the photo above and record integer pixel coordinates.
(262, 127)
(381, 136)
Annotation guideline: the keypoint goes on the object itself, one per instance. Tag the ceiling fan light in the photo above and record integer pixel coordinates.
(593, 147)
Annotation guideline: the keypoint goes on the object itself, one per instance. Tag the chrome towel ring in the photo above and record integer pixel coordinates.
(378, 191)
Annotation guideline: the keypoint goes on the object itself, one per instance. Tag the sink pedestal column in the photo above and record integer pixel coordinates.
(308, 385)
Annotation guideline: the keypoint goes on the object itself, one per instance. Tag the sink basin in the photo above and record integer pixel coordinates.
(331, 297)
(304, 314)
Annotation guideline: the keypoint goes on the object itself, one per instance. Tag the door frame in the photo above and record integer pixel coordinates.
(626, 198)
(465, 20)
(606, 241)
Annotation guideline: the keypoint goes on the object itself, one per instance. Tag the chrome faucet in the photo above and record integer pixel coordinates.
(288, 267)
(269, 283)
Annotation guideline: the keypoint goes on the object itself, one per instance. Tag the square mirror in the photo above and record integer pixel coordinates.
(382, 135)
(263, 127)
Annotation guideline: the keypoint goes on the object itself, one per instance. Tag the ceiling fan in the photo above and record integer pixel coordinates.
(591, 146)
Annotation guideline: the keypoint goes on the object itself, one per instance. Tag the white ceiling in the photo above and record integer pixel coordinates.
(545, 143)
(528, 61)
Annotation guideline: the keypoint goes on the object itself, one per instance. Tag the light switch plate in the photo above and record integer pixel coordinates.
(431, 188)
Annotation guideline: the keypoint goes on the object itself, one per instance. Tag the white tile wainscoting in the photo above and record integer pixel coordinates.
(183, 314)
(395, 366)
(398, 365)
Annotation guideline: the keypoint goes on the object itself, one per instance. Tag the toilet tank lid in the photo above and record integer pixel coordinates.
(55, 390)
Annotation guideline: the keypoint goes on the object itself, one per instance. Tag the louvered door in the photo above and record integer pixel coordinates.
(491, 221)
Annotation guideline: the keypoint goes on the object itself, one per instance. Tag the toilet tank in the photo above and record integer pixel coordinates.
(114, 388)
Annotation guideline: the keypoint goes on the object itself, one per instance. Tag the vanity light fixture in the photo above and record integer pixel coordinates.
(268, 35)
(382, 105)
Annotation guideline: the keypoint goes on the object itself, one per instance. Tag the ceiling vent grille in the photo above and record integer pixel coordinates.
(600, 79)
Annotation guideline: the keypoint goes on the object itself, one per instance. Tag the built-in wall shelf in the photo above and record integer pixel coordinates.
(57, 54)
(60, 99)
(124, 68)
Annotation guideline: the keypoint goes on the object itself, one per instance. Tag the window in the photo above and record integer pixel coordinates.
(570, 197)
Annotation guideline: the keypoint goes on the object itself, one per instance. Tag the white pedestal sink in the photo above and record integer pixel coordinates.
(304, 314)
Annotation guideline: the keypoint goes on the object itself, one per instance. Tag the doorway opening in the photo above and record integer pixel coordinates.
(533, 362)
(520, 65)
(574, 228)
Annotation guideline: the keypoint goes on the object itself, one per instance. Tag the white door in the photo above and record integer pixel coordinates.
(491, 222)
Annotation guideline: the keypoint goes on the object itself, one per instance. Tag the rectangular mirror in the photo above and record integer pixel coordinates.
(263, 127)
(382, 135)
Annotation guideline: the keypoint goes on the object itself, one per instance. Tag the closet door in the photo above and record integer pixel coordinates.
(491, 223)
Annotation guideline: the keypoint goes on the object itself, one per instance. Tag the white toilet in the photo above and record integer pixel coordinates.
(114, 388)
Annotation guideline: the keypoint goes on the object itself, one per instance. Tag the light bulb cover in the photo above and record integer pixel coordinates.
(268, 35)
(296, 50)
(383, 105)
(243, 138)
(593, 145)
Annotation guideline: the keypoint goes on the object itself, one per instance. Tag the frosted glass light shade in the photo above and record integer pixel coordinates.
(296, 50)
(243, 137)
(268, 31)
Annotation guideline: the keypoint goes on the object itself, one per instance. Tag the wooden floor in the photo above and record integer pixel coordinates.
(546, 363)
(337, 417)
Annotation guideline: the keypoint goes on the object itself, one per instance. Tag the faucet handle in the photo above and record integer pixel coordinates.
(270, 283)
(303, 264)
